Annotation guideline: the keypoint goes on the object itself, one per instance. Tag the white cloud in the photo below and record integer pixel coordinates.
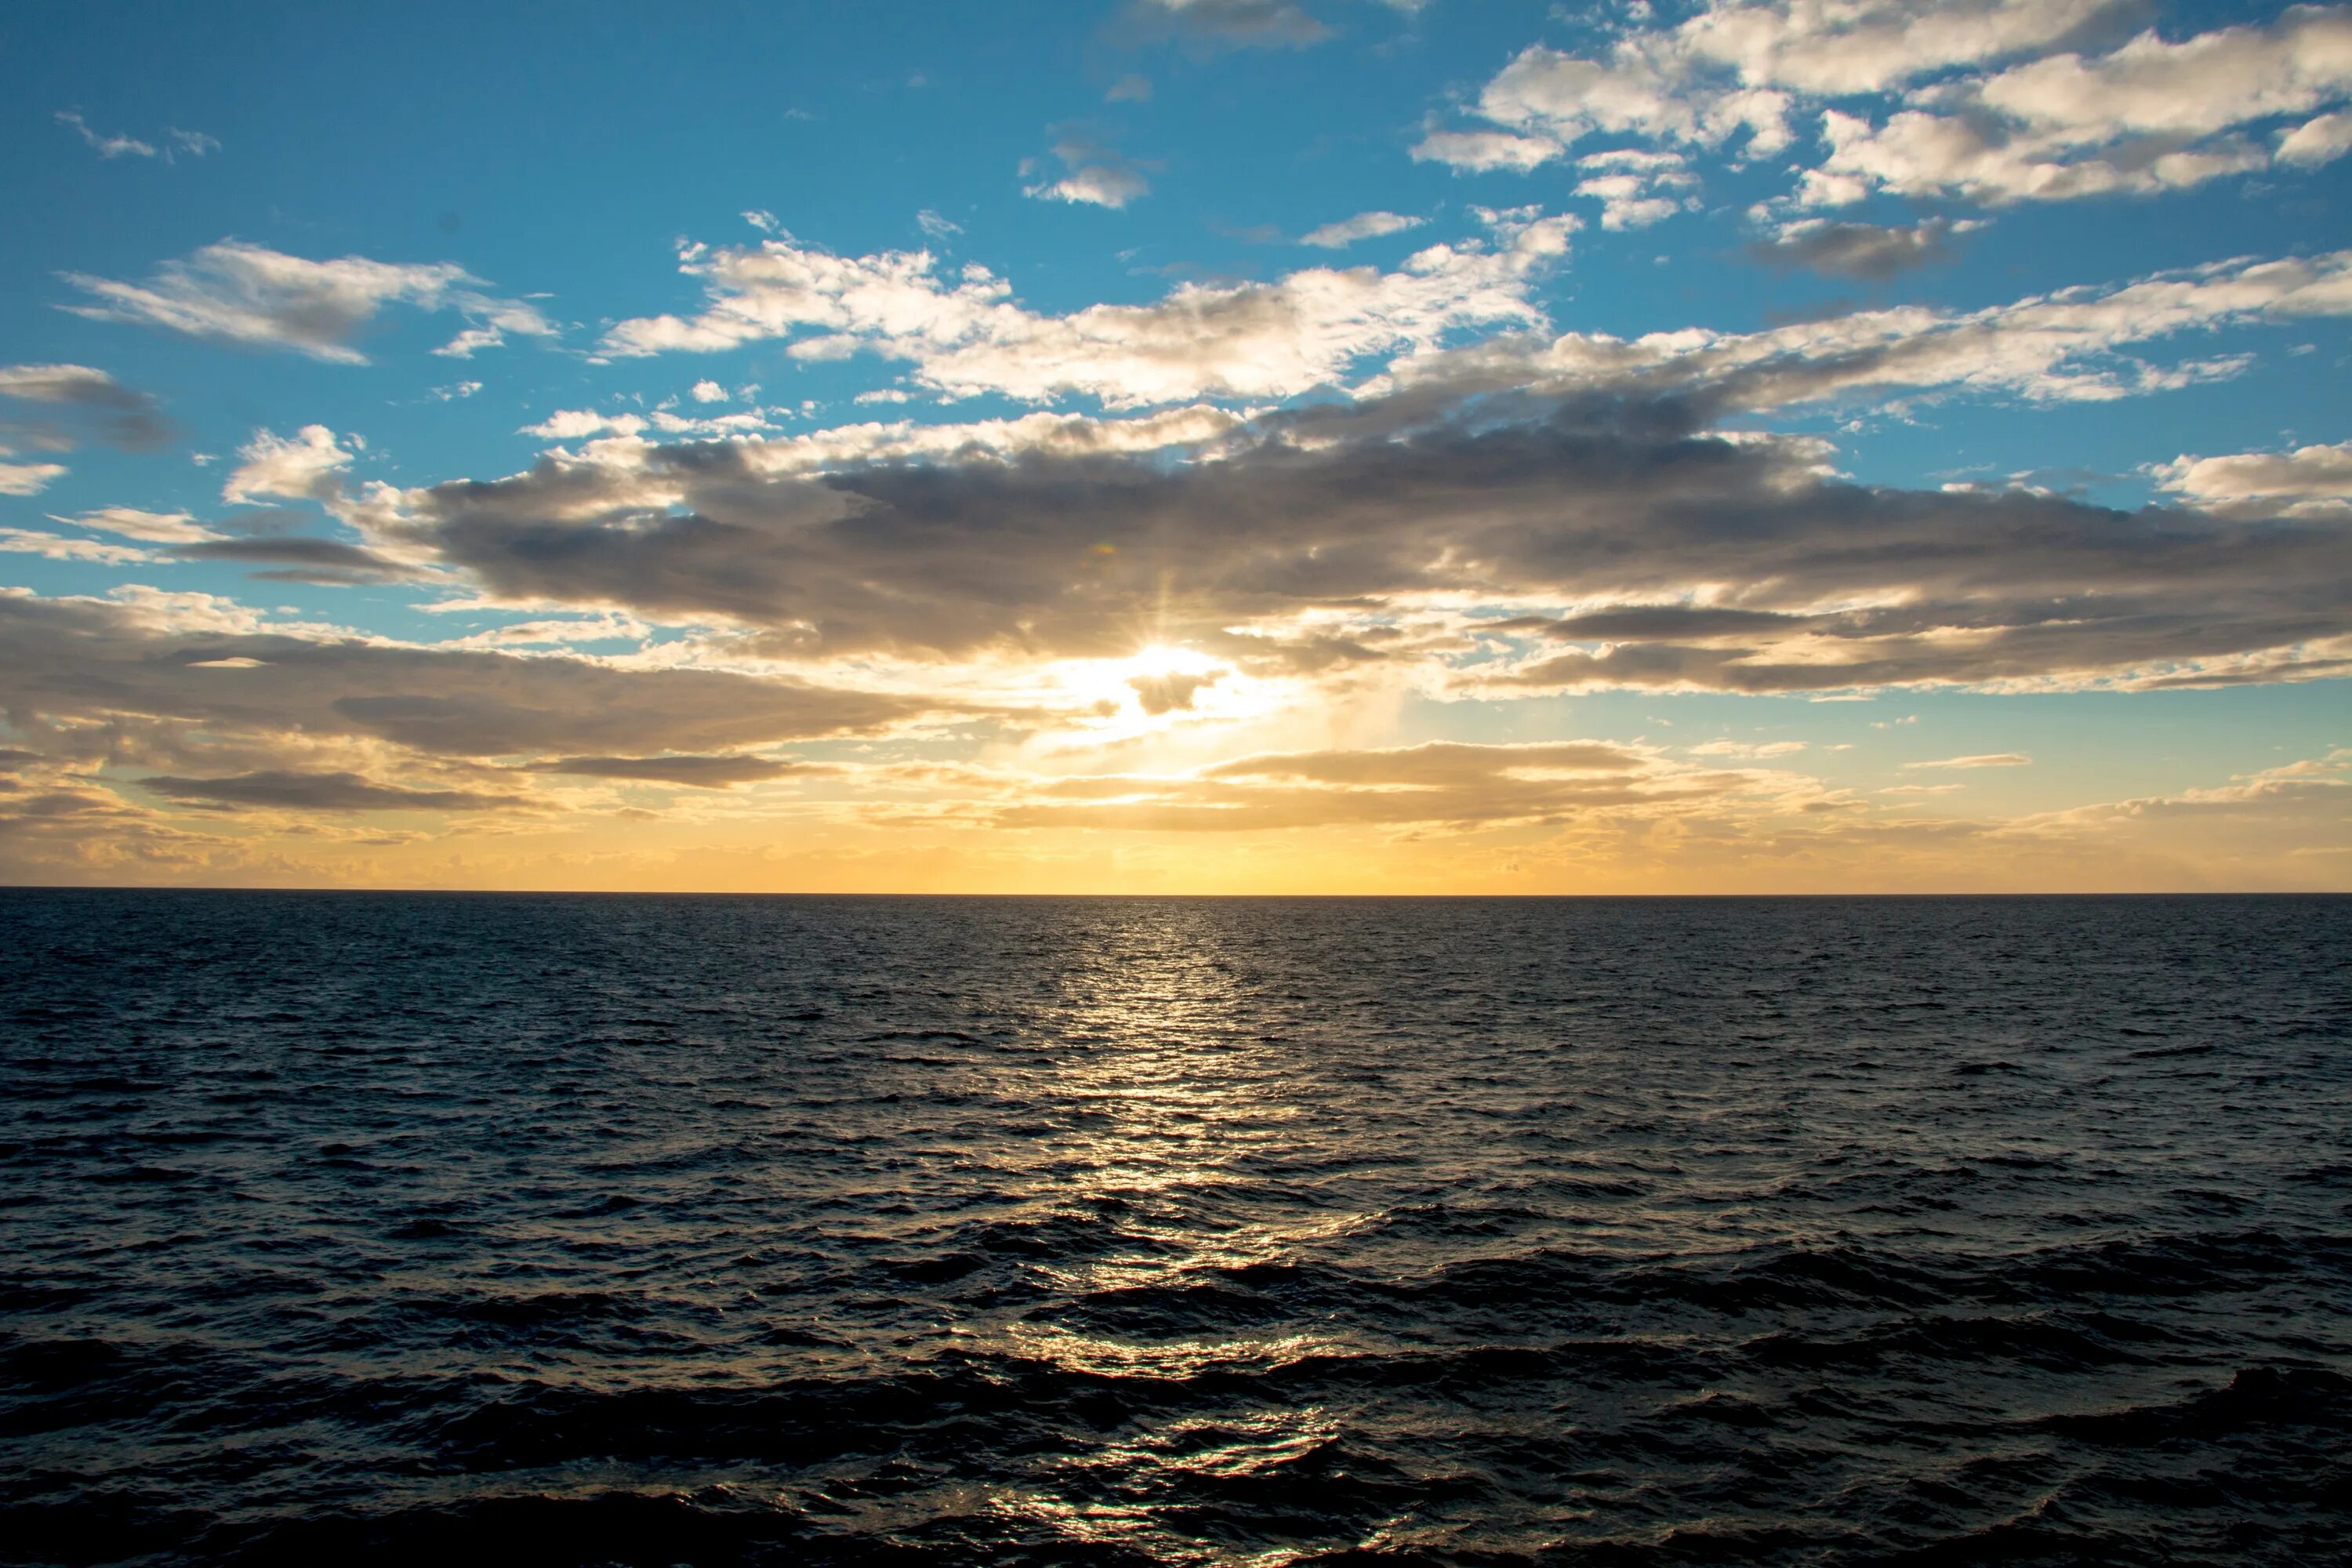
(302, 467)
(194, 144)
(1483, 151)
(710, 392)
(57, 547)
(28, 478)
(243, 294)
(1636, 188)
(1093, 175)
(2310, 481)
(130, 522)
(966, 336)
(1363, 225)
(2039, 120)
(105, 146)
(2064, 346)
(576, 424)
(1871, 46)
(492, 321)
(2145, 117)
(938, 228)
(2318, 141)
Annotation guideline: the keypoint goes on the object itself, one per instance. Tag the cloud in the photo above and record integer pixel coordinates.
(2149, 116)
(1703, 561)
(123, 415)
(1213, 25)
(150, 527)
(194, 144)
(1441, 784)
(1363, 225)
(936, 227)
(1092, 175)
(1545, 101)
(242, 293)
(1484, 151)
(965, 336)
(2318, 141)
(310, 559)
(1867, 253)
(57, 547)
(1171, 692)
(1995, 100)
(187, 662)
(29, 479)
(492, 321)
(1983, 760)
(279, 790)
(1748, 751)
(1873, 45)
(711, 772)
(105, 146)
(2310, 481)
(2067, 345)
(1636, 188)
(305, 467)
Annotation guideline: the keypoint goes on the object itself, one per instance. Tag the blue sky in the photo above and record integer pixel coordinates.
(974, 446)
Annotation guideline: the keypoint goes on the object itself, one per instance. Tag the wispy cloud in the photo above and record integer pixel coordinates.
(1981, 760)
(1092, 175)
(104, 145)
(1363, 225)
(175, 142)
(237, 292)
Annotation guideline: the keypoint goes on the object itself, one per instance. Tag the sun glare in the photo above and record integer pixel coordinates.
(1157, 687)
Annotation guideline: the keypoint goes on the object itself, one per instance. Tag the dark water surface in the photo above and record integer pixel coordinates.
(347, 1228)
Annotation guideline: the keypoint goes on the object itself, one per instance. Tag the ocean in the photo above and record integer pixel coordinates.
(350, 1227)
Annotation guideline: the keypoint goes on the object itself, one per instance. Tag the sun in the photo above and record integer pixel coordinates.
(1160, 660)
(1156, 686)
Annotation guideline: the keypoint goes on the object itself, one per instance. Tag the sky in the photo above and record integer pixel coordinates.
(1178, 446)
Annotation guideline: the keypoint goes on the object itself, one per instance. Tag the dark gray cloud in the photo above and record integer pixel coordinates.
(1207, 26)
(1173, 690)
(121, 415)
(312, 560)
(1434, 763)
(12, 758)
(1864, 252)
(707, 772)
(1616, 497)
(287, 791)
(85, 660)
